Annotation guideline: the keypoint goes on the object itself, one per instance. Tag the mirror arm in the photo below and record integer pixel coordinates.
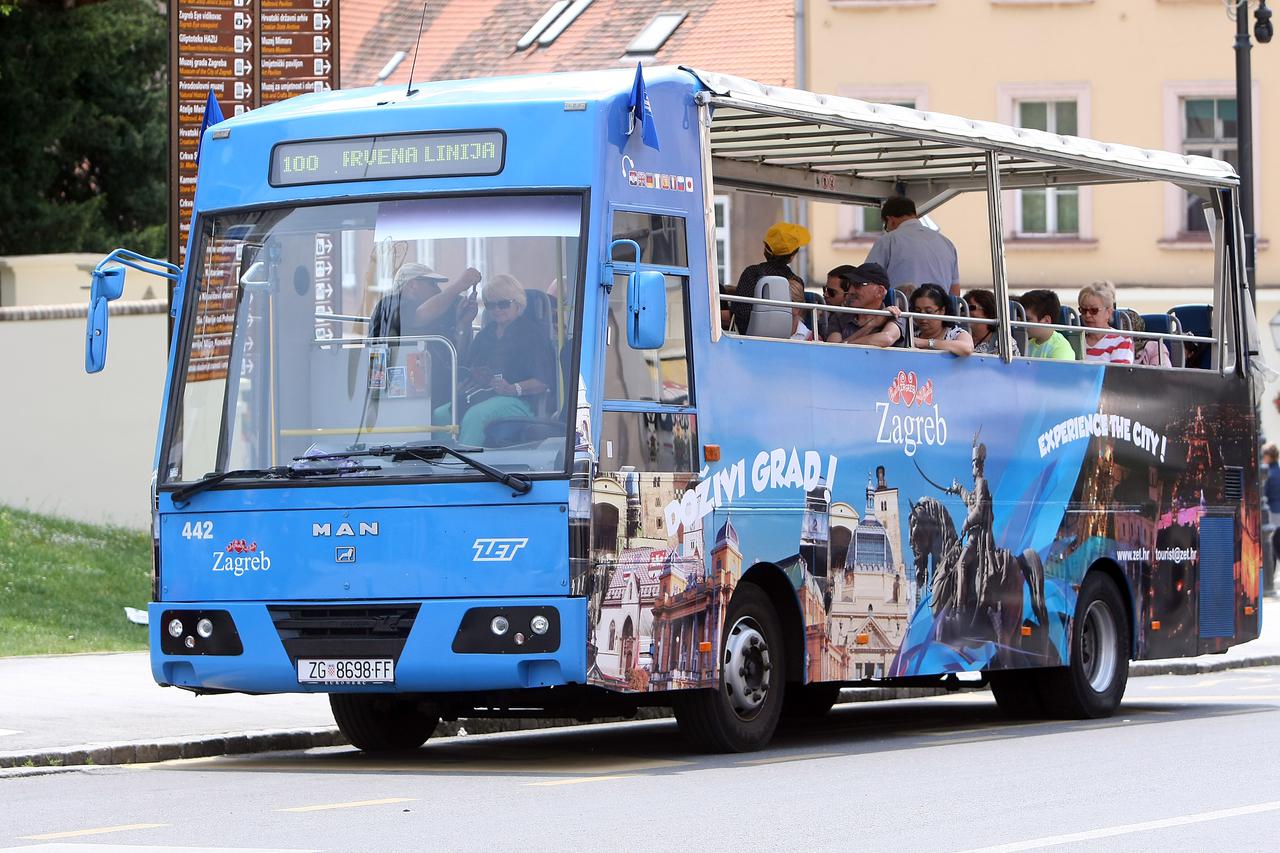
(606, 278)
(142, 263)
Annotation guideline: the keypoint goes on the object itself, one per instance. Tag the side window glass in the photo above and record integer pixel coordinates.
(648, 441)
(656, 375)
(662, 238)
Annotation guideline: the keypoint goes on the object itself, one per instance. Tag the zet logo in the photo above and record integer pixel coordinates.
(497, 550)
(911, 417)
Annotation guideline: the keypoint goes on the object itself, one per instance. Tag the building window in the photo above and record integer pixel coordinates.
(613, 634)
(1208, 130)
(722, 239)
(1053, 211)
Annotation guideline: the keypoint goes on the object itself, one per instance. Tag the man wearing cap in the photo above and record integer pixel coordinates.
(420, 305)
(868, 287)
(912, 253)
(781, 242)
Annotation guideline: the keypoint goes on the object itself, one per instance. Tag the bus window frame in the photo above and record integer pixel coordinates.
(184, 330)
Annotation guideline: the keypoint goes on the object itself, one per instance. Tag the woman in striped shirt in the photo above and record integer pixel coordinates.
(1097, 304)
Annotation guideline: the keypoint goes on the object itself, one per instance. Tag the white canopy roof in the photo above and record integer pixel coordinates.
(842, 148)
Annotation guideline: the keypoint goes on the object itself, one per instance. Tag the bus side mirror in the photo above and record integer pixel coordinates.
(646, 309)
(108, 285)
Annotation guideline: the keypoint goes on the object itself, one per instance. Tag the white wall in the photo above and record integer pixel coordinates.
(76, 445)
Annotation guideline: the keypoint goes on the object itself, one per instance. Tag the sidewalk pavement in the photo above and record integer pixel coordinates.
(105, 709)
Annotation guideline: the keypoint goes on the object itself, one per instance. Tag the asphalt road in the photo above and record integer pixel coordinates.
(1190, 763)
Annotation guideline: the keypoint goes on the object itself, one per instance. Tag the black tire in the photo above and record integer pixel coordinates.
(809, 700)
(742, 713)
(376, 722)
(1093, 683)
(1018, 693)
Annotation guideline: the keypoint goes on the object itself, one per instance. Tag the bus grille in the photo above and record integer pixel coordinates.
(344, 631)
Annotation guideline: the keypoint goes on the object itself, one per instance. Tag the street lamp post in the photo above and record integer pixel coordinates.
(1244, 125)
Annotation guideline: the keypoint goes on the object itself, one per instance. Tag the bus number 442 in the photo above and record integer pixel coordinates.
(197, 530)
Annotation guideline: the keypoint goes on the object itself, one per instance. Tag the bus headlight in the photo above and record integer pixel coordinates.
(175, 628)
(499, 625)
(204, 628)
(539, 624)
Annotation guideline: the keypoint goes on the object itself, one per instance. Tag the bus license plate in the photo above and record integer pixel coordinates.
(347, 671)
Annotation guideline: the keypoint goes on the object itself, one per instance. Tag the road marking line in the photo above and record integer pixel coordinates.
(1203, 698)
(581, 779)
(780, 759)
(354, 805)
(1128, 829)
(4, 732)
(76, 833)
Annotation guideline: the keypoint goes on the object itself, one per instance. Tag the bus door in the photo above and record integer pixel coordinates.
(644, 629)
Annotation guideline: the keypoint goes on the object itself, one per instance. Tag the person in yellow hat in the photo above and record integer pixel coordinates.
(781, 242)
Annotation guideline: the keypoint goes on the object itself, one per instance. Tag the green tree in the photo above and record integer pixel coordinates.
(83, 155)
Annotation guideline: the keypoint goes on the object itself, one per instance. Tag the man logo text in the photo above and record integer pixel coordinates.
(497, 550)
(364, 528)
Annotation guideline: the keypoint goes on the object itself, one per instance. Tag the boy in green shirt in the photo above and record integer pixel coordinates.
(1042, 306)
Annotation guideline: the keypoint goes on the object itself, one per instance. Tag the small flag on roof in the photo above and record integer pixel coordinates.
(212, 115)
(640, 112)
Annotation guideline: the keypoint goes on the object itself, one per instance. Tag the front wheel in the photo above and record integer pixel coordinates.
(376, 722)
(1093, 683)
(742, 713)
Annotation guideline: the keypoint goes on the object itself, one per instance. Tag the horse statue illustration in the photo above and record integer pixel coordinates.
(972, 597)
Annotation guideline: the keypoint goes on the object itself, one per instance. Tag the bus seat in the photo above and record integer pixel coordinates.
(896, 297)
(1167, 324)
(538, 306)
(1068, 317)
(812, 317)
(771, 321)
(1120, 319)
(1018, 314)
(1196, 320)
(960, 307)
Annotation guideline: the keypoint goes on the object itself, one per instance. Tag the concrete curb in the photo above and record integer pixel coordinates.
(22, 763)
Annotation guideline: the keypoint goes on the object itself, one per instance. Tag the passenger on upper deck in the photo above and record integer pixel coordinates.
(830, 324)
(781, 242)
(799, 330)
(982, 306)
(911, 252)
(943, 335)
(1097, 305)
(1152, 351)
(1042, 306)
(868, 286)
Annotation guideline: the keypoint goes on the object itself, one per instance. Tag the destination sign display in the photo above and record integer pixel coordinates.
(379, 158)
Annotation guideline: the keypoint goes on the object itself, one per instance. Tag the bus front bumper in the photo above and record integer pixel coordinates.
(255, 647)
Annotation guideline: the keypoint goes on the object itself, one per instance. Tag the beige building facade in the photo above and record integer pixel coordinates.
(1151, 73)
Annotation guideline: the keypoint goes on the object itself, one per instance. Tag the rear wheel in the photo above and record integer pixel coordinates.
(742, 713)
(1092, 685)
(376, 722)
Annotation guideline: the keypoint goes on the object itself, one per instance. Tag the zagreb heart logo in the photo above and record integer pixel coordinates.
(907, 390)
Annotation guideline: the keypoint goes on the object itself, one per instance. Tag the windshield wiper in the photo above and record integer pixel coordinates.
(278, 472)
(518, 484)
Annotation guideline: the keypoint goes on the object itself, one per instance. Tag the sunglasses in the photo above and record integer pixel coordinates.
(498, 304)
(1089, 312)
(833, 292)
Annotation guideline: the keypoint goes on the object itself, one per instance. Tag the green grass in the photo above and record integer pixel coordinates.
(64, 585)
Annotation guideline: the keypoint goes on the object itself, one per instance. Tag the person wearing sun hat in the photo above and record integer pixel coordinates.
(425, 302)
(781, 242)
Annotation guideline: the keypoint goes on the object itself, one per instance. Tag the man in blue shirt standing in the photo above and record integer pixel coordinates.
(911, 252)
(1271, 491)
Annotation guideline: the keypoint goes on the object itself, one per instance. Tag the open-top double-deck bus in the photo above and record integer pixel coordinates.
(591, 497)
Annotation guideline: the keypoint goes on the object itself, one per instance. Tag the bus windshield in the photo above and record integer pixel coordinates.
(324, 329)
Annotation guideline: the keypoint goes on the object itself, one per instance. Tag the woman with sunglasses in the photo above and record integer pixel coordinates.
(982, 306)
(511, 363)
(942, 335)
(1097, 305)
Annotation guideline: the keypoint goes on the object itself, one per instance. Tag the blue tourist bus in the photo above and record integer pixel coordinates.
(452, 425)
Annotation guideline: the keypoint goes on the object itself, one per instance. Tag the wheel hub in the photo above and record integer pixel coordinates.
(1098, 655)
(747, 668)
